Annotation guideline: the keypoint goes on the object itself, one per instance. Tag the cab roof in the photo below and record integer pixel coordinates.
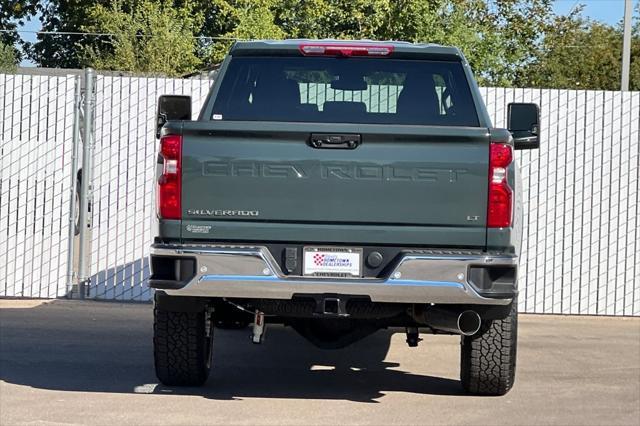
(291, 47)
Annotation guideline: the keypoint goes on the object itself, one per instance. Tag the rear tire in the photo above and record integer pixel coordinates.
(488, 358)
(182, 346)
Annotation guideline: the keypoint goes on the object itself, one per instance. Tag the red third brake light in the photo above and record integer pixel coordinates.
(170, 181)
(342, 49)
(500, 203)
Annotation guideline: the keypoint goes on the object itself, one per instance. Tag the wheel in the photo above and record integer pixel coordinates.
(488, 358)
(182, 346)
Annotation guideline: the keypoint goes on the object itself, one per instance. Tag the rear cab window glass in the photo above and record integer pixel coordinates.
(339, 90)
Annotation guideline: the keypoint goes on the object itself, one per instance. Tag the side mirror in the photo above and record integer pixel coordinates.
(523, 121)
(172, 107)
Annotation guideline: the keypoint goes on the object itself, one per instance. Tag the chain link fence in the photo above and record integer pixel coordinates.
(580, 191)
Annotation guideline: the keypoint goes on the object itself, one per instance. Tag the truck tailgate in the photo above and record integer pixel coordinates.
(412, 176)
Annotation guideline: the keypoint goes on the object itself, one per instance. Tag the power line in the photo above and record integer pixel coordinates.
(94, 34)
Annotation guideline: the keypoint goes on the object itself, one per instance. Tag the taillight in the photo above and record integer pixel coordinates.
(342, 49)
(170, 182)
(500, 194)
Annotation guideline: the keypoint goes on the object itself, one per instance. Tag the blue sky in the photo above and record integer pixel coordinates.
(608, 11)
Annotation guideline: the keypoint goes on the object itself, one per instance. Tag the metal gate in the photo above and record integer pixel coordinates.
(36, 119)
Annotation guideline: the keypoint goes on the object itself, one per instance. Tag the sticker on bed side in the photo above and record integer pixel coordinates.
(199, 229)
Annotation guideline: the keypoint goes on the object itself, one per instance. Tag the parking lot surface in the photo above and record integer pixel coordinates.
(71, 362)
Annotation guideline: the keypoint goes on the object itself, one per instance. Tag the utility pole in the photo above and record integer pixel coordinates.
(626, 45)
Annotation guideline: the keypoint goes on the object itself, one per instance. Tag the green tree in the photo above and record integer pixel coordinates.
(469, 26)
(8, 58)
(243, 20)
(12, 14)
(148, 37)
(61, 50)
(496, 36)
(520, 26)
(634, 73)
(507, 42)
(577, 53)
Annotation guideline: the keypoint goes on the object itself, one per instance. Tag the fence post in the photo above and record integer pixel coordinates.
(77, 105)
(86, 185)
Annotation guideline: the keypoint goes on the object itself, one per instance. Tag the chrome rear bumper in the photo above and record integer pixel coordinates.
(252, 272)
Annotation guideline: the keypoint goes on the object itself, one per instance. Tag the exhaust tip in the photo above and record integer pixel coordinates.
(469, 323)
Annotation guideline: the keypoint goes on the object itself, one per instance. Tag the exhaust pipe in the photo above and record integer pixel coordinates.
(466, 323)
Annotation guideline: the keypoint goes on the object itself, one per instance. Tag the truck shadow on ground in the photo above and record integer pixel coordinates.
(106, 347)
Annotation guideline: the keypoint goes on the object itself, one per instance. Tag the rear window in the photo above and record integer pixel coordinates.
(339, 90)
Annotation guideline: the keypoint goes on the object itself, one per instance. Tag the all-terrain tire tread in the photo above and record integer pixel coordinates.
(181, 348)
(488, 358)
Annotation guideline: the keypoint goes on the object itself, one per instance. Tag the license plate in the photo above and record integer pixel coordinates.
(337, 262)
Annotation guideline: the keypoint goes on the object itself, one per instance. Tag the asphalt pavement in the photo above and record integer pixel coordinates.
(72, 362)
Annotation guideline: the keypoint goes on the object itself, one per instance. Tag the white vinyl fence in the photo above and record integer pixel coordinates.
(123, 179)
(36, 115)
(580, 251)
(581, 239)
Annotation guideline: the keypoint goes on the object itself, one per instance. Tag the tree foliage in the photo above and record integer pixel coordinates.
(12, 14)
(582, 54)
(148, 37)
(507, 42)
(356, 19)
(8, 58)
(494, 35)
(61, 50)
(244, 20)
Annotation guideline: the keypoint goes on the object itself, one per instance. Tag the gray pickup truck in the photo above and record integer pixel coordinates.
(339, 188)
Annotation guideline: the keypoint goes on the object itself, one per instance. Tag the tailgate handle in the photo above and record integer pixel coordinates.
(334, 141)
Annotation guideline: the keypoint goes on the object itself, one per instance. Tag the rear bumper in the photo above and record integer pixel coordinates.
(252, 272)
